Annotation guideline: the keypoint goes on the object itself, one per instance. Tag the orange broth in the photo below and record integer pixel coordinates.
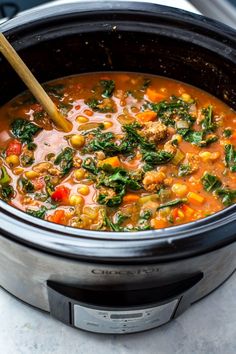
(145, 152)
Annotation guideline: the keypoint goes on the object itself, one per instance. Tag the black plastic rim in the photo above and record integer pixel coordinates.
(156, 245)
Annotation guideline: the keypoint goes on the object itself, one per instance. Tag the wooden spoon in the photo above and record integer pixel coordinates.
(32, 83)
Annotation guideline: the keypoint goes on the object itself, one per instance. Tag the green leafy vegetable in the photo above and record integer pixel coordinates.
(185, 170)
(145, 215)
(134, 136)
(117, 179)
(27, 159)
(39, 213)
(227, 196)
(7, 192)
(168, 112)
(227, 133)
(26, 185)
(99, 105)
(4, 178)
(49, 186)
(65, 160)
(153, 158)
(230, 157)
(108, 87)
(90, 165)
(208, 124)
(24, 130)
(210, 182)
(172, 203)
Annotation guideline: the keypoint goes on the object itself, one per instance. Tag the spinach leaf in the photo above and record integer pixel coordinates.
(230, 157)
(48, 185)
(227, 196)
(7, 192)
(106, 141)
(26, 185)
(210, 182)
(108, 87)
(208, 124)
(24, 130)
(168, 111)
(122, 177)
(100, 105)
(194, 137)
(227, 133)
(105, 199)
(145, 215)
(39, 213)
(65, 160)
(117, 179)
(90, 165)
(185, 170)
(199, 138)
(172, 203)
(134, 136)
(153, 158)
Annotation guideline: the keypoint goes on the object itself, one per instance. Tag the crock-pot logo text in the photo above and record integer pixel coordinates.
(145, 271)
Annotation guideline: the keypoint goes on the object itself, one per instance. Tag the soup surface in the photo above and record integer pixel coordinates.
(145, 152)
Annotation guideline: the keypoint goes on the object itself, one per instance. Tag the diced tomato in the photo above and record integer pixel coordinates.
(61, 194)
(58, 217)
(14, 148)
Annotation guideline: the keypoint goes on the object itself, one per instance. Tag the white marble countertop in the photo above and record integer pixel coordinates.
(208, 327)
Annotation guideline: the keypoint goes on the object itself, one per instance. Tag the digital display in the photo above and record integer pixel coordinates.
(125, 315)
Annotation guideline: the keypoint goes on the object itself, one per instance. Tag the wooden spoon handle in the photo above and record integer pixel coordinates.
(32, 83)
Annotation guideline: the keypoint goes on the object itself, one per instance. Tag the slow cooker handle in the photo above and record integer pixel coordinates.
(84, 307)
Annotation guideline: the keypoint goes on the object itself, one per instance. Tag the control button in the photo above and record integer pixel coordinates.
(91, 324)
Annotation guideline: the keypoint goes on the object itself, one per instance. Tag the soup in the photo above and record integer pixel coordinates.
(145, 152)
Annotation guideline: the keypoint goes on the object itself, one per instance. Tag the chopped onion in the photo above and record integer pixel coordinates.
(179, 156)
(182, 124)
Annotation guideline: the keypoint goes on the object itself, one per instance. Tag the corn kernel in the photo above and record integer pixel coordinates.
(107, 125)
(31, 174)
(77, 141)
(79, 174)
(84, 190)
(179, 189)
(76, 199)
(81, 119)
(13, 160)
(177, 137)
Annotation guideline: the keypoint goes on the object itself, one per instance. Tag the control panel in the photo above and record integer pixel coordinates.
(128, 321)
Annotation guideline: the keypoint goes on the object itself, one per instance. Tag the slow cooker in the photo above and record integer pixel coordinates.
(110, 282)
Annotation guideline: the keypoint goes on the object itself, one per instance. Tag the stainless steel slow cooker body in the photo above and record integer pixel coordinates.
(118, 282)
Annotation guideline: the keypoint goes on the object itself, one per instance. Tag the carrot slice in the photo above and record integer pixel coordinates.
(154, 95)
(131, 198)
(147, 116)
(195, 198)
(112, 161)
(58, 217)
(187, 210)
(159, 223)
